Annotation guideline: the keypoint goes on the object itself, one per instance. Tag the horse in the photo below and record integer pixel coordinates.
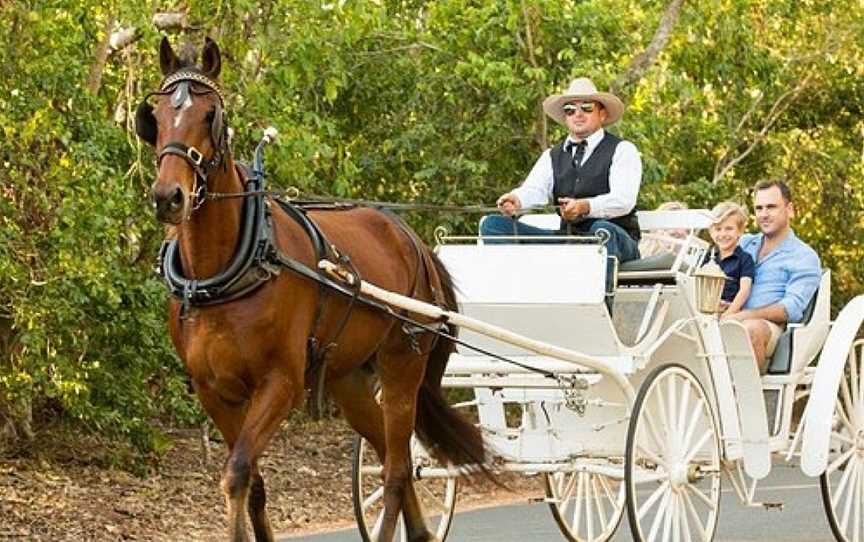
(247, 349)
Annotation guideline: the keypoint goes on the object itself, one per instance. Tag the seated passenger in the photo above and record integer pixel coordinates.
(787, 271)
(663, 240)
(593, 175)
(730, 222)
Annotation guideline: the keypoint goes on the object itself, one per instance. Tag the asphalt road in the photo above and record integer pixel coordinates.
(801, 518)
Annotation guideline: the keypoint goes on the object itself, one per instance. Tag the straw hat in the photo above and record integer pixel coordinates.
(583, 89)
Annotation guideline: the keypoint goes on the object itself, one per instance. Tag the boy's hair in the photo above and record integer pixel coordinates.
(672, 206)
(725, 209)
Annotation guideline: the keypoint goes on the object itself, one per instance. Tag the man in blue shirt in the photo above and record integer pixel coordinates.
(787, 271)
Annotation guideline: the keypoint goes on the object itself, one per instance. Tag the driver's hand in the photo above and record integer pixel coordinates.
(509, 203)
(571, 208)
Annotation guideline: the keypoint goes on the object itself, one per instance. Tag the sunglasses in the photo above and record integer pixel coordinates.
(586, 107)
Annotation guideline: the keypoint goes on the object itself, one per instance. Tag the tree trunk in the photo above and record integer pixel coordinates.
(94, 80)
(16, 414)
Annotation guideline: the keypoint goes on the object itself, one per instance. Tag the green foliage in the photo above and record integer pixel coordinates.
(434, 102)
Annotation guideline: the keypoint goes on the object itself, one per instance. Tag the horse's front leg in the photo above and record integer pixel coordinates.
(241, 483)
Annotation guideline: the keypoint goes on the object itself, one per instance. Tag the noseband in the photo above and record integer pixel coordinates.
(179, 86)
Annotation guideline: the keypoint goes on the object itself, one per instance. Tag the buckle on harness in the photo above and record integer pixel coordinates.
(195, 155)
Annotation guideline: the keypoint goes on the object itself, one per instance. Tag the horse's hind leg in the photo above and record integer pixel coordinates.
(355, 396)
(401, 374)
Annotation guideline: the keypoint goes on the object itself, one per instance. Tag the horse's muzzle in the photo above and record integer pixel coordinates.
(169, 202)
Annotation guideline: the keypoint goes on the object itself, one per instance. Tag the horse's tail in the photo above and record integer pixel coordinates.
(445, 432)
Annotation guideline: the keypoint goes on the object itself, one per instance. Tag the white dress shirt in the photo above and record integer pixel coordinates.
(625, 176)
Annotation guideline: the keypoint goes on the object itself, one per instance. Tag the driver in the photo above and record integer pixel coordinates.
(593, 175)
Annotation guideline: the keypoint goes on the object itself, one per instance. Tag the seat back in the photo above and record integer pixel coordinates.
(800, 343)
(550, 293)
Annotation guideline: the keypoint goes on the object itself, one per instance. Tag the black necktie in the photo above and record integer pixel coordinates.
(578, 153)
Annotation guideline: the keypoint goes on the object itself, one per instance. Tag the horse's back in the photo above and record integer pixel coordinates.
(378, 244)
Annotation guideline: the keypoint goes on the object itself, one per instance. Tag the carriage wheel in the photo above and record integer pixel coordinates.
(843, 481)
(437, 495)
(587, 507)
(672, 463)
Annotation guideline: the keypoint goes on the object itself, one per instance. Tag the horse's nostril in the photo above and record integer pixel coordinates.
(176, 199)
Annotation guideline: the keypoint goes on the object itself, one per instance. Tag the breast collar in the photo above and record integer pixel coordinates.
(256, 260)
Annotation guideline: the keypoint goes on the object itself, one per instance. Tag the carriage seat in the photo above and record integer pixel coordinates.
(801, 342)
(664, 266)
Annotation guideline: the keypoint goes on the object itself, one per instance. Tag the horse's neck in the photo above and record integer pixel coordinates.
(209, 238)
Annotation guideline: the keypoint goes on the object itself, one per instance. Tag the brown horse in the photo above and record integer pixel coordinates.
(247, 354)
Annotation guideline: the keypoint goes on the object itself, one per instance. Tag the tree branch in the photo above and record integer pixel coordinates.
(782, 103)
(644, 60)
(94, 79)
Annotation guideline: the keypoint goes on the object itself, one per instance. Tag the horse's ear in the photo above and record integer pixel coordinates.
(211, 59)
(145, 123)
(168, 60)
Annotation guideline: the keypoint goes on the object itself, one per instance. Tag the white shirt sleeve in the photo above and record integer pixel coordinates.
(625, 177)
(537, 187)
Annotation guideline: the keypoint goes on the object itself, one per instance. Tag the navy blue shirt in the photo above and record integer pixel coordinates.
(737, 265)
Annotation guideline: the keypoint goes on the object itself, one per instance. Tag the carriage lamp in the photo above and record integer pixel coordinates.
(710, 280)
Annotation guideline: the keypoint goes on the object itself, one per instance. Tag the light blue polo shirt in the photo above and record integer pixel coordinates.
(788, 275)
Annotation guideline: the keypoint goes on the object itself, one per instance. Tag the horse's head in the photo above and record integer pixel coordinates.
(185, 123)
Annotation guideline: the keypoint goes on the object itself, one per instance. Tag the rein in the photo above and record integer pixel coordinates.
(293, 195)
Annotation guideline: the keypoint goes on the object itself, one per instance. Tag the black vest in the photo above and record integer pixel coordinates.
(591, 179)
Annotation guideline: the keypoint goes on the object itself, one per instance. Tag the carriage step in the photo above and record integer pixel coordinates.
(778, 505)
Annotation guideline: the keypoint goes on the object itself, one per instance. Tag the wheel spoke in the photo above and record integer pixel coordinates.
(691, 425)
(661, 511)
(696, 519)
(673, 404)
(683, 409)
(659, 492)
(664, 419)
(373, 497)
(601, 506)
(844, 418)
(651, 456)
(577, 504)
(842, 438)
(846, 401)
(604, 482)
(841, 487)
(589, 505)
(685, 523)
(692, 453)
(854, 385)
(668, 516)
(844, 522)
(702, 497)
(856, 523)
(840, 460)
(376, 529)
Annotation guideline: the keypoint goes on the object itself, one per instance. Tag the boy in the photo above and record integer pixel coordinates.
(730, 219)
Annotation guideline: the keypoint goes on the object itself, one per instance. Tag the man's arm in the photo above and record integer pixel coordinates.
(775, 312)
(625, 177)
(537, 187)
(803, 282)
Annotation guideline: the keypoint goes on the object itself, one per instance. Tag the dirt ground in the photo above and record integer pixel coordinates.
(307, 471)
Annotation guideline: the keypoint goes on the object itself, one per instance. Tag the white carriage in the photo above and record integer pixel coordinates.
(644, 411)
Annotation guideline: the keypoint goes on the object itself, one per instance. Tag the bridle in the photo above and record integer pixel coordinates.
(179, 86)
